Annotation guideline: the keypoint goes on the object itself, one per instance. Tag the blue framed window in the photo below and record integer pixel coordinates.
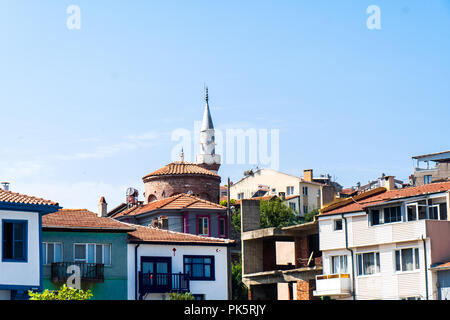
(199, 267)
(14, 242)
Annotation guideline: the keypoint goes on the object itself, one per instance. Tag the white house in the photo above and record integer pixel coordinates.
(162, 261)
(268, 182)
(20, 231)
(382, 244)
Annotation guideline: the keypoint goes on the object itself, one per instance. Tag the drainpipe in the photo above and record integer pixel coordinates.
(135, 272)
(426, 264)
(351, 251)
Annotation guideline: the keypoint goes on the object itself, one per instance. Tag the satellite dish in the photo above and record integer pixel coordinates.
(132, 192)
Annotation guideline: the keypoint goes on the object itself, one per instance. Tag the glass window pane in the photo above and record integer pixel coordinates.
(162, 267)
(344, 264)
(58, 252)
(44, 252)
(187, 269)
(335, 265)
(197, 270)
(18, 250)
(416, 256)
(7, 240)
(80, 252)
(359, 260)
(98, 253)
(397, 261)
(187, 260)
(91, 253)
(19, 231)
(107, 254)
(369, 263)
(207, 271)
(377, 255)
(407, 259)
(51, 253)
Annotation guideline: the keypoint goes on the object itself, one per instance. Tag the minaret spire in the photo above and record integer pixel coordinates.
(208, 157)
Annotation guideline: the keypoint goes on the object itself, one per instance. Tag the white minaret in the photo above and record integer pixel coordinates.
(207, 158)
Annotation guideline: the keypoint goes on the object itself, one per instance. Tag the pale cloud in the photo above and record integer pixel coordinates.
(21, 169)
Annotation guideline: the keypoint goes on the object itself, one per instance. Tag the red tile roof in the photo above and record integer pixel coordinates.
(150, 234)
(181, 168)
(442, 266)
(179, 201)
(380, 195)
(13, 197)
(82, 219)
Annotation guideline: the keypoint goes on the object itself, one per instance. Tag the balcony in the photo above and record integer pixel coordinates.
(90, 272)
(333, 285)
(163, 282)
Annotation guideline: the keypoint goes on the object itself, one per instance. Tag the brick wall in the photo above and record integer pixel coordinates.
(305, 290)
(205, 187)
(301, 251)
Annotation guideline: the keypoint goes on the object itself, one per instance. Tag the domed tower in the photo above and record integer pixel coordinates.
(207, 158)
(181, 177)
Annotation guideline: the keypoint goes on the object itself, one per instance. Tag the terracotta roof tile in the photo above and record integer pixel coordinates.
(380, 195)
(13, 197)
(443, 265)
(179, 201)
(82, 219)
(181, 168)
(158, 235)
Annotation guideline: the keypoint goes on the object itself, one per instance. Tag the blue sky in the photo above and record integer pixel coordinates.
(88, 112)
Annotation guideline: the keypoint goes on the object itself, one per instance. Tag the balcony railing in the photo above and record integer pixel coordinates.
(333, 285)
(163, 282)
(92, 272)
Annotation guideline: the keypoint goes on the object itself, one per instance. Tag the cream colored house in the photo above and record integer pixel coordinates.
(381, 244)
(268, 182)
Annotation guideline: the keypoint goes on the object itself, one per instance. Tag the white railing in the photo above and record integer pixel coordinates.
(333, 285)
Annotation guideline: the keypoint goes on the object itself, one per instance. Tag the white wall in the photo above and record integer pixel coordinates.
(213, 290)
(23, 273)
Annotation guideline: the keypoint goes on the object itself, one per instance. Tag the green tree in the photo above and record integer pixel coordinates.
(275, 213)
(181, 296)
(64, 293)
(309, 217)
(239, 290)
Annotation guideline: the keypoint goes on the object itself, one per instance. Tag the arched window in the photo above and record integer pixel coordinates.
(152, 198)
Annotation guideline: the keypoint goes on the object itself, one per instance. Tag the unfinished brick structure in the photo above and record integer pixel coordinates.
(278, 263)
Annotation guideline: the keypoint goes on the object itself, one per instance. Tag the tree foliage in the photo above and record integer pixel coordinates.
(239, 290)
(64, 293)
(309, 217)
(275, 213)
(181, 296)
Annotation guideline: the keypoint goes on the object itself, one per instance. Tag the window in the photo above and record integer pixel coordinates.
(199, 267)
(305, 209)
(274, 190)
(338, 225)
(292, 205)
(93, 253)
(427, 179)
(203, 226)
(407, 259)
(392, 214)
(290, 190)
(434, 212)
(305, 191)
(222, 227)
(339, 264)
(14, 244)
(52, 252)
(368, 263)
(240, 196)
(411, 210)
(375, 217)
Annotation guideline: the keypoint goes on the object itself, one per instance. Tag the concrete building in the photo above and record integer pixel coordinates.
(438, 171)
(268, 182)
(382, 244)
(278, 263)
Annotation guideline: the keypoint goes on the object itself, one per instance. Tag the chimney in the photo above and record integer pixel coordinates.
(163, 223)
(102, 207)
(389, 183)
(5, 185)
(308, 175)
